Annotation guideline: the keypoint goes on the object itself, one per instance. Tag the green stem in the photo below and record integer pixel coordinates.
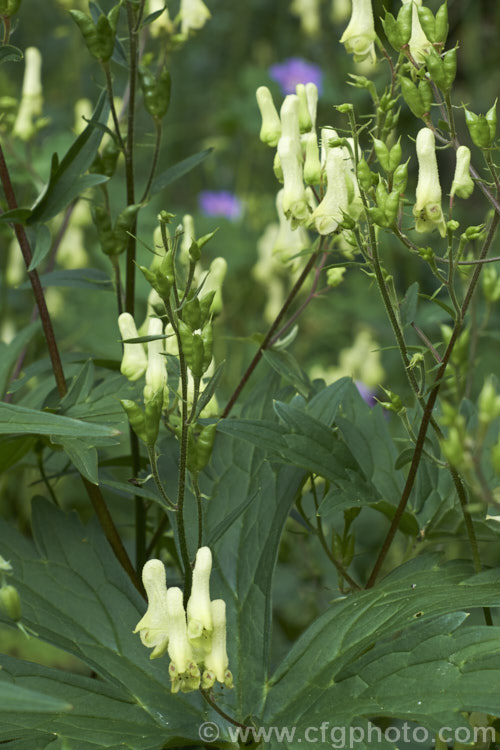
(181, 491)
(156, 153)
(109, 89)
(199, 505)
(274, 327)
(154, 471)
(321, 536)
(427, 415)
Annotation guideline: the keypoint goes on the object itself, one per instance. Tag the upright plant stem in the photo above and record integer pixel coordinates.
(93, 490)
(140, 508)
(272, 330)
(427, 415)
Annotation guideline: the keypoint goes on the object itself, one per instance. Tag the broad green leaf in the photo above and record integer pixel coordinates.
(83, 457)
(9, 353)
(67, 178)
(18, 420)
(41, 245)
(82, 278)
(287, 366)
(15, 215)
(239, 475)
(367, 436)
(100, 715)
(80, 388)
(9, 53)
(76, 596)
(14, 699)
(178, 170)
(308, 685)
(13, 449)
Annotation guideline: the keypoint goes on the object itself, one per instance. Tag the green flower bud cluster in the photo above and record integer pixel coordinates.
(482, 128)
(394, 403)
(443, 69)
(106, 159)
(195, 637)
(114, 239)
(99, 37)
(385, 212)
(398, 31)
(343, 548)
(155, 90)
(200, 447)
(9, 7)
(435, 27)
(418, 98)
(388, 159)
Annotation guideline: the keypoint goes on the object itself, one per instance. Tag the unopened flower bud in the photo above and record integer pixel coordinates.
(271, 124)
(312, 102)
(305, 121)
(312, 164)
(462, 185)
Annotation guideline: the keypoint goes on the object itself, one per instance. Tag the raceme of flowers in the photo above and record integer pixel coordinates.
(195, 637)
(301, 164)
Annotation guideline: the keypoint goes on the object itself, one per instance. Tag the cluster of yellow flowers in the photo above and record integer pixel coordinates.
(195, 637)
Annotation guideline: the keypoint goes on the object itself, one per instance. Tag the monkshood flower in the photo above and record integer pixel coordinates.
(295, 70)
(462, 185)
(427, 209)
(199, 613)
(359, 35)
(295, 202)
(216, 662)
(419, 44)
(271, 124)
(153, 627)
(196, 640)
(220, 203)
(330, 212)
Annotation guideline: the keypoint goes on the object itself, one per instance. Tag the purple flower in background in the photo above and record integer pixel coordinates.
(220, 203)
(295, 70)
(367, 394)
